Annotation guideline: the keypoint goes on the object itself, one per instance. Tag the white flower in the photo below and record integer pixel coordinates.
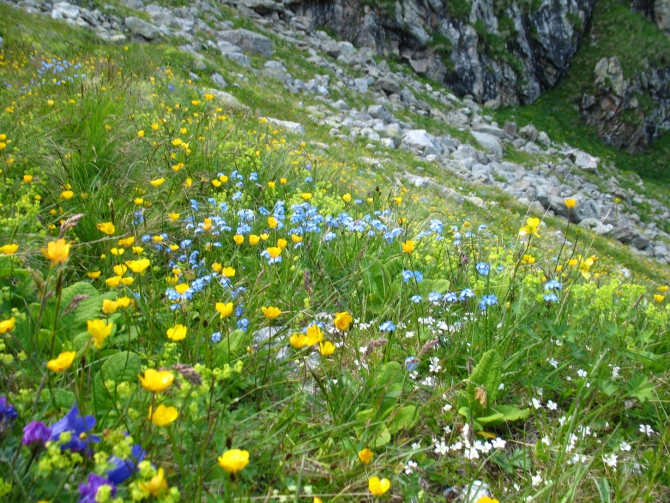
(471, 453)
(552, 362)
(624, 446)
(363, 350)
(537, 479)
(646, 429)
(416, 446)
(498, 443)
(441, 448)
(536, 403)
(502, 385)
(435, 366)
(610, 460)
(552, 405)
(546, 441)
(562, 420)
(428, 381)
(615, 373)
(457, 446)
(576, 459)
(447, 407)
(582, 373)
(410, 466)
(409, 335)
(447, 430)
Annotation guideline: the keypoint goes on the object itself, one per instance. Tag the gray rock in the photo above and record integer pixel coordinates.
(584, 161)
(218, 79)
(419, 140)
(510, 129)
(458, 119)
(528, 132)
(291, 127)
(227, 100)
(388, 142)
(249, 41)
(489, 142)
(380, 112)
(341, 105)
(139, 27)
(388, 83)
(64, 10)
(543, 139)
(331, 48)
(275, 70)
(596, 226)
(264, 6)
(489, 129)
(133, 4)
(361, 85)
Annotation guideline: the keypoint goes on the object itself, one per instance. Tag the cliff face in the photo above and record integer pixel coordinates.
(506, 54)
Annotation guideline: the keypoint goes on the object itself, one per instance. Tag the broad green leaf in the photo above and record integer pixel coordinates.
(491, 419)
(511, 413)
(122, 366)
(639, 387)
(404, 418)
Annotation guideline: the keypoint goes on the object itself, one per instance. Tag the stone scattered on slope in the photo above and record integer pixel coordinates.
(139, 27)
(227, 100)
(249, 41)
(584, 161)
(420, 141)
(489, 142)
(291, 127)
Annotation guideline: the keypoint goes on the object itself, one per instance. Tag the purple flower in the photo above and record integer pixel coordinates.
(79, 427)
(90, 489)
(7, 411)
(124, 468)
(35, 434)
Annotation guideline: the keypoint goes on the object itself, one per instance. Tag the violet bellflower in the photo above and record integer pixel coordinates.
(79, 427)
(89, 490)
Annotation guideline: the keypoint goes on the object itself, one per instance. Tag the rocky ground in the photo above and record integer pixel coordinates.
(607, 200)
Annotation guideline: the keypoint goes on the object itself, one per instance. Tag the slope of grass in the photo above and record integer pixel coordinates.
(406, 336)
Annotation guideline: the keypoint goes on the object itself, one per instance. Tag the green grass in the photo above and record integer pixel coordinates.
(302, 416)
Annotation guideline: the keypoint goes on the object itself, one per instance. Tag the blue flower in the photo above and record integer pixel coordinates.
(124, 468)
(415, 298)
(551, 297)
(216, 337)
(387, 326)
(79, 427)
(483, 268)
(7, 411)
(411, 362)
(434, 297)
(450, 297)
(553, 285)
(487, 300)
(466, 294)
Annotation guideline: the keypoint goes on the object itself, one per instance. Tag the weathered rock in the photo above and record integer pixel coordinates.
(596, 226)
(388, 84)
(275, 70)
(227, 100)
(249, 41)
(361, 85)
(543, 139)
(489, 129)
(380, 112)
(528, 132)
(218, 79)
(64, 10)
(291, 127)
(510, 129)
(419, 140)
(584, 161)
(139, 27)
(489, 142)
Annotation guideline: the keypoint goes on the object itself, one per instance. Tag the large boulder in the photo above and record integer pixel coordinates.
(249, 41)
(64, 10)
(291, 127)
(226, 100)
(140, 28)
(489, 142)
(419, 140)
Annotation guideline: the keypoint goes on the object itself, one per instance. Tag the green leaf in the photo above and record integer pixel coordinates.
(491, 419)
(511, 413)
(229, 348)
(120, 367)
(486, 374)
(604, 490)
(608, 387)
(639, 387)
(404, 418)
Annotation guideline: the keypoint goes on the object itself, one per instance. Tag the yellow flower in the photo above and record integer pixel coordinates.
(365, 456)
(663, 288)
(530, 228)
(67, 194)
(156, 380)
(156, 486)
(573, 262)
(163, 415)
(177, 333)
(272, 222)
(57, 251)
(127, 241)
(209, 96)
(316, 499)
(195, 103)
(238, 238)
(216, 183)
(343, 320)
(7, 325)
(137, 249)
(138, 266)
(158, 238)
(274, 251)
(109, 306)
(113, 282)
(173, 216)
(265, 236)
(346, 198)
(181, 288)
(117, 251)
(177, 142)
(584, 267)
(62, 362)
(314, 335)
(27, 178)
(99, 331)
(228, 272)
(282, 243)
(154, 127)
(271, 185)
(271, 312)
(282, 181)
(224, 310)
(9, 249)
(407, 246)
(487, 499)
(106, 228)
(378, 487)
(295, 238)
(306, 196)
(157, 182)
(570, 203)
(326, 348)
(234, 460)
(298, 341)
(124, 302)
(657, 298)
(140, 133)
(254, 239)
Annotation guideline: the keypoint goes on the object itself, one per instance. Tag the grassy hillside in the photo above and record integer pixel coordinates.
(204, 287)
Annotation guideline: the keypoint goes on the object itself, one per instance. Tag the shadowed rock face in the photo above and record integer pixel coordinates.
(509, 56)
